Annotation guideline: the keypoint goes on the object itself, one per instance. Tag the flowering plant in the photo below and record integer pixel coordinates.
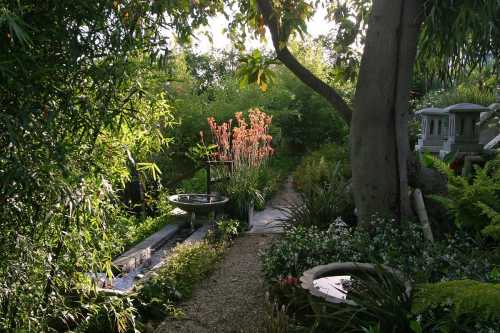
(247, 144)
(289, 281)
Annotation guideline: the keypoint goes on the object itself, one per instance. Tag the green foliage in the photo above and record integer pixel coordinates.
(469, 297)
(207, 71)
(381, 302)
(187, 265)
(402, 247)
(256, 185)
(242, 188)
(227, 229)
(322, 201)
(277, 320)
(78, 94)
(458, 306)
(136, 229)
(457, 36)
(463, 93)
(298, 113)
(109, 314)
(322, 179)
(307, 113)
(316, 167)
(351, 18)
(473, 202)
(196, 184)
(293, 16)
(493, 228)
(254, 68)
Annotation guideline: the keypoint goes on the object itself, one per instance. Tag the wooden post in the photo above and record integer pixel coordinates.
(422, 215)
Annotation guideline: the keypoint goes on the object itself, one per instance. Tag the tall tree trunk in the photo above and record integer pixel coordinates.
(379, 123)
(379, 129)
(411, 21)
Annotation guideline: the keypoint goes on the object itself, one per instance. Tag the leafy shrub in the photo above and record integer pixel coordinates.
(109, 314)
(308, 114)
(226, 230)
(458, 306)
(139, 228)
(131, 229)
(464, 296)
(399, 246)
(380, 303)
(187, 265)
(316, 167)
(277, 320)
(196, 184)
(321, 203)
(300, 249)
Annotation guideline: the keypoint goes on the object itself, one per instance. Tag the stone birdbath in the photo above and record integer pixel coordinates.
(202, 203)
(198, 203)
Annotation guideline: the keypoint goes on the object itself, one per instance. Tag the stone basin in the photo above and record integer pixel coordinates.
(198, 203)
(327, 281)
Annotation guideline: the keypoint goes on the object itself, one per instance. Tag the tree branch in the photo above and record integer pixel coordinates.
(288, 59)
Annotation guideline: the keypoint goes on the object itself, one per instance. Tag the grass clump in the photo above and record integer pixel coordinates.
(316, 167)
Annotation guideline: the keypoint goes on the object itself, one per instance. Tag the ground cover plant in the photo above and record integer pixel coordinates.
(403, 248)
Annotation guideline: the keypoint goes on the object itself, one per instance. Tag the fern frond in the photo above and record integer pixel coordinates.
(437, 164)
(492, 229)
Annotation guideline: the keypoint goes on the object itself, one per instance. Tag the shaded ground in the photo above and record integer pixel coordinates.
(232, 299)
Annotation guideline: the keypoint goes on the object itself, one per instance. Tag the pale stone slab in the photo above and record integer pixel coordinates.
(141, 252)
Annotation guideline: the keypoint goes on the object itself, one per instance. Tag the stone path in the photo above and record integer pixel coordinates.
(267, 221)
(232, 299)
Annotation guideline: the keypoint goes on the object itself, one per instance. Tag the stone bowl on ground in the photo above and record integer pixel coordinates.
(198, 203)
(330, 282)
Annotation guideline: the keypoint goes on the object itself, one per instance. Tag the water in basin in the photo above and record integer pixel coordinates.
(199, 198)
(334, 286)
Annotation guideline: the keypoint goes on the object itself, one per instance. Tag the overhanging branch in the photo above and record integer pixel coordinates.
(289, 60)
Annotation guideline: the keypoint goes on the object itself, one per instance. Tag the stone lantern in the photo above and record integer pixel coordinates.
(434, 130)
(463, 120)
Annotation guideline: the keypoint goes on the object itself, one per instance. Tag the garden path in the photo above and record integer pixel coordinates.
(268, 220)
(233, 298)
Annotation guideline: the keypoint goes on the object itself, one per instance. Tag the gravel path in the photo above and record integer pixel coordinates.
(232, 299)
